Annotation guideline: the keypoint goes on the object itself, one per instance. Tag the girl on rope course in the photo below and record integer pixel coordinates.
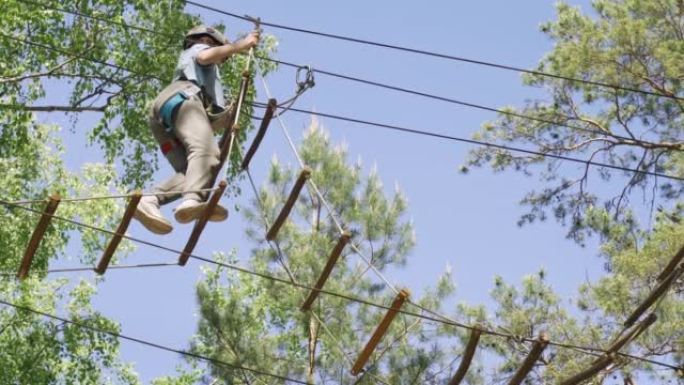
(183, 119)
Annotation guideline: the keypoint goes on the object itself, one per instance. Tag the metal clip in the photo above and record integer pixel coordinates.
(308, 82)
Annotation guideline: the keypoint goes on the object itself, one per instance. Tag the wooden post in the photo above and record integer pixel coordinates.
(37, 235)
(532, 357)
(120, 231)
(268, 115)
(467, 358)
(656, 293)
(304, 175)
(332, 260)
(602, 362)
(379, 332)
(676, 260)
(201, 223)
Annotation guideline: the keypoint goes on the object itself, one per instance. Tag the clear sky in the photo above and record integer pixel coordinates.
(465, 221)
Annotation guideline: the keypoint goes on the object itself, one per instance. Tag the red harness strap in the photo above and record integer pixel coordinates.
(169, 145)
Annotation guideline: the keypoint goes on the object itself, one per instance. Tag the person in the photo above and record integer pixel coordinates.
(180, 122)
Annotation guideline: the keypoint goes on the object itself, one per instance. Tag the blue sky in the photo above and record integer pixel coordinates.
(467, 222)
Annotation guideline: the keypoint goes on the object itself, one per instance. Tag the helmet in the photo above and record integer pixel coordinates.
(208, 31)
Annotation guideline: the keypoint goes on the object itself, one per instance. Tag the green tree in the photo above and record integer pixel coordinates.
(35, 350)
(78, 58)
(257, 323)
(103, 66)
(632, 44)
(629, 43)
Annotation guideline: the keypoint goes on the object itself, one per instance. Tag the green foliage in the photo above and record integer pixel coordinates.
(142, 63)
(634, 44)
(35, 350)
(249, 321)
(630, 43)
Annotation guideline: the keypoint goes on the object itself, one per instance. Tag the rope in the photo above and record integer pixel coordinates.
(463, 103)
(288, 104)
(350, 298)
(442, 55)
(319, 195)
(150, 344)
(479, 143)
(119, 196)
(115, 267)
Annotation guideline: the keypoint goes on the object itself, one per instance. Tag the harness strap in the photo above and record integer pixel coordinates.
(169, 145)
(166, 111)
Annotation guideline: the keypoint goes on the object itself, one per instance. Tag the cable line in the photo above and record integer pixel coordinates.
(117, 196)
(440, 319)
(150, 344)
(379, 84)
(77, 56)
(478, 142)
(463, 103)
(440, 55)
(471, 141)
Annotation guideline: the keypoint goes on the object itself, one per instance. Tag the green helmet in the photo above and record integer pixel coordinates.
(204, 30)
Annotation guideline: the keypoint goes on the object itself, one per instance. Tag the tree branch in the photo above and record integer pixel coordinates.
(49, 72)
(54, 108)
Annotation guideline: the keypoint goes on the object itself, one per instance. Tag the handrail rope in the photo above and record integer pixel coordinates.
(118, 196)
(442, 55)
(479, 143)
(355, 40)
(475, 142)
(377, 84)
(82, 269)
(150, 344)
(332, 293)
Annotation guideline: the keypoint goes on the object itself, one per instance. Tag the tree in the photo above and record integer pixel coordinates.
(631, 44)
(36, 350)
(107, 59)
(257, 323)
(111, 58)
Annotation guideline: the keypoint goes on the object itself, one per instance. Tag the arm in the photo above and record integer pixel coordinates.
(219, 54)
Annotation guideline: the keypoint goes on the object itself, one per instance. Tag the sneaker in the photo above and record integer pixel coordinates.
(190, 210)
(149, 215)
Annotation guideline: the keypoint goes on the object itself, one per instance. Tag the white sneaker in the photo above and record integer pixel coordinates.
(149, 215)
(190, 210)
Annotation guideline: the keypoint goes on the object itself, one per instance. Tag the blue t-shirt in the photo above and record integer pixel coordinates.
(206, 76)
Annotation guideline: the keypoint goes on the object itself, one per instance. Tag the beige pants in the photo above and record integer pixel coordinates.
(192, 151)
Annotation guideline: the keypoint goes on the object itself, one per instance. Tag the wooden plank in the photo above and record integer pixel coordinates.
(332, 260)
(201, 223)
(596, 367)
(467, 358)
(120, 231)
(304, 175)
(654, 295)
(674, 262)
(532, 357)
(268, 115)
(37, 235)
(379, 332)
(602, 362)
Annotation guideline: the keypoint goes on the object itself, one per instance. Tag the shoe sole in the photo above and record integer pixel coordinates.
(152, 224)
(192, 213)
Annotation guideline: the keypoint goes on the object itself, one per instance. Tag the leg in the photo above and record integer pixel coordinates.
(193, 129)
(148, 212)
(176, 156)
